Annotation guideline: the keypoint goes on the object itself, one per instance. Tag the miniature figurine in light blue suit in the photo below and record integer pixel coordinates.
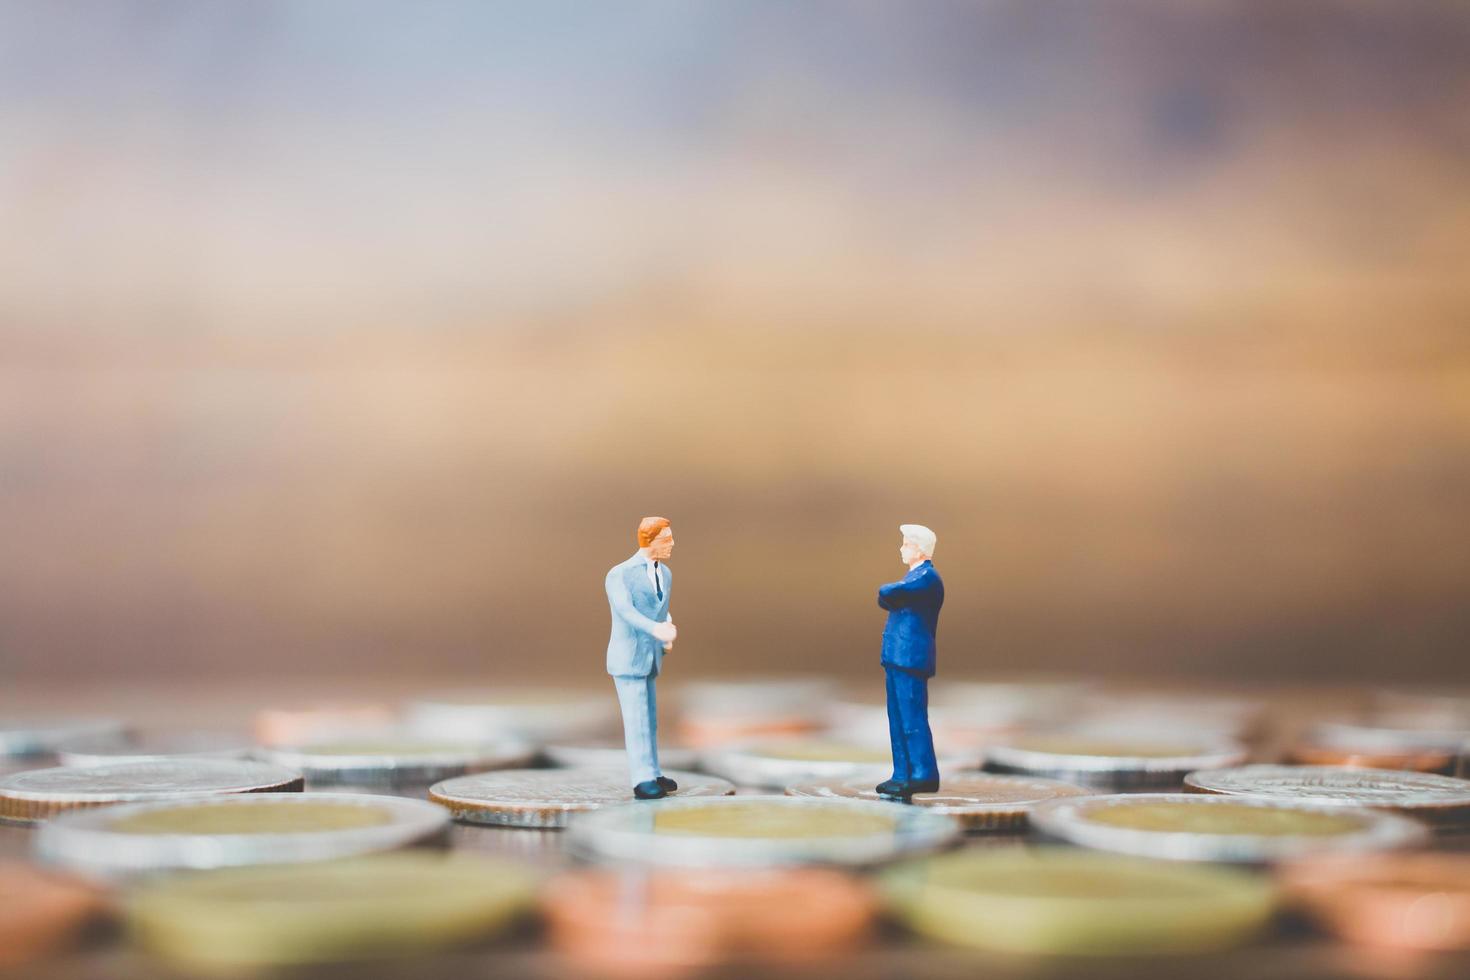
(642, 632)
(908, 661)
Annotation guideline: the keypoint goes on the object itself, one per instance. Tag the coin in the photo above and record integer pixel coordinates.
(321, 722)
(396, 760)
(1401, 737)
(110, 748)
(779, 763)
(534, 714)
(20, 738)
(977, 800)
(1439, 800)
(717, 712)
(32, 796)
(1398, 901)
(1121, 762)
(758, 831)
(41, 911)
(638, 922)
(1309, 753)
(357, 908)
(1152, 713)
(1070, 902)
(611, 752)
(1182, 827)
(225, 831)
(547, 797)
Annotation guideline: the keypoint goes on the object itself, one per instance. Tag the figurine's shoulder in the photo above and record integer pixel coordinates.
(622, 567)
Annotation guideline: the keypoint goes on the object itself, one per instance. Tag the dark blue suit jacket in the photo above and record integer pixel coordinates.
(913, 615)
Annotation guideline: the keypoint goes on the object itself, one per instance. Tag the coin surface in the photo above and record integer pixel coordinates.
(758, 831)
(535, 714)
(1113, 762)
(397, 760)
(227, 831)
(114, 747)
(1441, 800)
(22, 738)
(305, 724)
(610, 753)
(638, 922)
(547, 797)
(1397, 901)
(779, 763)
(1184, 827)
(1309, 753)
(41, 910)
(1069, 902)
(718, 712)
(356, 908)
(977, 800)
(33, 796)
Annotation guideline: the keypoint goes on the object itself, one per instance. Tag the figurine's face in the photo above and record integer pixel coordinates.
(662, 546)
(908, 552)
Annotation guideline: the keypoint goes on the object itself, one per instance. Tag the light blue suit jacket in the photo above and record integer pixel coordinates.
(632, 650)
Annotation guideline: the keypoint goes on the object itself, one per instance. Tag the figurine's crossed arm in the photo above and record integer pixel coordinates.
(895, 595)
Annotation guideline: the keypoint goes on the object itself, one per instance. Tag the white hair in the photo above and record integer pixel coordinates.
(921, 536)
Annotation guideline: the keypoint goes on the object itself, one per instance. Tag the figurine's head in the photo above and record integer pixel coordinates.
(656, 537)
(918, 543)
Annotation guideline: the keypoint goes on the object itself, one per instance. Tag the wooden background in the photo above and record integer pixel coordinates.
(354, 339)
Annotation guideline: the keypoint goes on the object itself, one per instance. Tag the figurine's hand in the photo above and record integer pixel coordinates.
(665, 633)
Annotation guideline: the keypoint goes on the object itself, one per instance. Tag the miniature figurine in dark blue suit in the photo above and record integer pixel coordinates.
(908, 659)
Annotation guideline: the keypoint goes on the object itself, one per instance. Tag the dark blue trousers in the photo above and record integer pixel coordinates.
(908, 726)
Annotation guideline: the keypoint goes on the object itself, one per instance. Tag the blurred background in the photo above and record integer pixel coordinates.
(354, 338)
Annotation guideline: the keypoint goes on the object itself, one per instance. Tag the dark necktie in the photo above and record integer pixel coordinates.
(658, 585)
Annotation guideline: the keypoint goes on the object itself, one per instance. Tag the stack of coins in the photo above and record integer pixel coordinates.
(41, 911)
(396, 761)
(978, 801)
(779, 763)
(1397, 901)
(758, 831)
(1063, 901)
(545, 798)
(537, 715)
(1218, 828)
(227, 831)
(307, 724)
(1112, 763)
(115, 747)
(1442, 801)
(717, 712)
(384, 904)
(661, 922)
(33, 796)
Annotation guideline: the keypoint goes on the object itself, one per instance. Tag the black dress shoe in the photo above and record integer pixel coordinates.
(649, 790)
(923, 786)
(890, 788)
(668, 784)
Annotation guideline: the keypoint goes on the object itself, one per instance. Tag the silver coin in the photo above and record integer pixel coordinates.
(977, 800)
(611, 752)
(534, 714)
(1239, 830)
(1124, 762)
(117, 841)
(394, 760)
(758, 831)
(20, 738)
(547, 797)
(35, 795)
(781, 762)
(112, 748)
(1438, 799)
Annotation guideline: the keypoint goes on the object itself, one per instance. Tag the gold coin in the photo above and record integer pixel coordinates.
(266, 818)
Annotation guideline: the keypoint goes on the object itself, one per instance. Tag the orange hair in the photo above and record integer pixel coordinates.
(650, 528)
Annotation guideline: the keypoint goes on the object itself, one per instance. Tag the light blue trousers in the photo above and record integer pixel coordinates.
(640, 726)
